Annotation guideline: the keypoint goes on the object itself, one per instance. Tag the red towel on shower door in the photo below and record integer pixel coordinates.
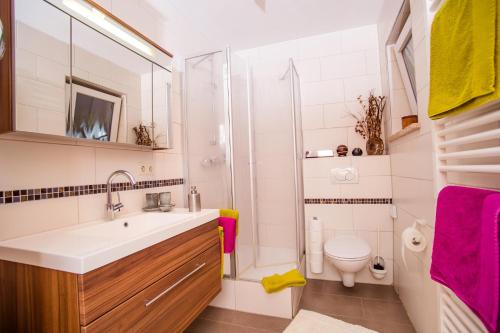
(465, 255)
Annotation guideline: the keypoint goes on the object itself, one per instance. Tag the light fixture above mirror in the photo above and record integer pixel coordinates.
(97, 17)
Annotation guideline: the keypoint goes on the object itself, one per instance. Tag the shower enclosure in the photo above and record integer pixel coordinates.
(244, 151)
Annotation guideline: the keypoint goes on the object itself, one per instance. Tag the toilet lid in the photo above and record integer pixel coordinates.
(347, 247)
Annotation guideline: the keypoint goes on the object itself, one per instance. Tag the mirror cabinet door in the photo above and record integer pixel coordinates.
(42, 65)
(72, 80)
(110, 91)
(162, 107)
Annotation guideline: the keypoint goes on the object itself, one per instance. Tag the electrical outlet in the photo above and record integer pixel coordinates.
(142, 169)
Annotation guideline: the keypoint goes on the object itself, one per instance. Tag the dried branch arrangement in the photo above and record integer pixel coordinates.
(369, 123)
(142, 136)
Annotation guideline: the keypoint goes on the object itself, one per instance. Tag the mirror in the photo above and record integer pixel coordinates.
(2, 41)
(162, 107)
(42, 64)
(74, 80)
(111, 90)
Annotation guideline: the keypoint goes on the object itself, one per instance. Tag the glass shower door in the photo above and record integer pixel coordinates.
(208, 142)
(299, 156)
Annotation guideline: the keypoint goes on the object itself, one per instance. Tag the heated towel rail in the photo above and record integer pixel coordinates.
(467, 152)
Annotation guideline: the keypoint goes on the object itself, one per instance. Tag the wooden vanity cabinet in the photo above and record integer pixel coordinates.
(162, 288)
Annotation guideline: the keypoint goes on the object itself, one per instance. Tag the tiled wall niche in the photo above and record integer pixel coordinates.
(351, 209)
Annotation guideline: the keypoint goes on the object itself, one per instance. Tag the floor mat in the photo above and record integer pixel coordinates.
(313, 322)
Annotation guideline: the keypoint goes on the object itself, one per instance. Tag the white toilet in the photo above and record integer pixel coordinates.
(349, 254)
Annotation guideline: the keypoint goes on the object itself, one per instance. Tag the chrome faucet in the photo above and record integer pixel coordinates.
(110, 207)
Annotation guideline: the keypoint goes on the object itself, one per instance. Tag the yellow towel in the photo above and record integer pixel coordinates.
(221, 237)
(232, 213)
(465, 56)
(279, 282)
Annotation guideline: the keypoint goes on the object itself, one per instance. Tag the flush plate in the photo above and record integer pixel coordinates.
(344, 176)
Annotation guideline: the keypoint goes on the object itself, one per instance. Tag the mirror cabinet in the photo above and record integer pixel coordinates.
(74, 71)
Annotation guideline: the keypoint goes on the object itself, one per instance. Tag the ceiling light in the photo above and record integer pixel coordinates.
(100, 19)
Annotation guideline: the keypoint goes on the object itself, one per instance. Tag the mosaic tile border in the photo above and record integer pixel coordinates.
(17, 196)
(349, 201)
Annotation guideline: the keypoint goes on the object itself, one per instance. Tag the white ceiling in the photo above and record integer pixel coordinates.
(242, 24)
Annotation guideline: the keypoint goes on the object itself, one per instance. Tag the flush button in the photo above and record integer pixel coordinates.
(344, 176)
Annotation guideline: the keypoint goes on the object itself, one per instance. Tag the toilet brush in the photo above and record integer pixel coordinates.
(379, 261)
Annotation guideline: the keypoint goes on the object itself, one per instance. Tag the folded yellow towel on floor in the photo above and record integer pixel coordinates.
(465, 57)
(278, 282)
(232, 213)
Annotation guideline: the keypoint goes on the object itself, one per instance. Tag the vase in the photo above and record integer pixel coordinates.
(375, 146)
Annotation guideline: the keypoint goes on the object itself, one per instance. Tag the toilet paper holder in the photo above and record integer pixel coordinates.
(413, 239)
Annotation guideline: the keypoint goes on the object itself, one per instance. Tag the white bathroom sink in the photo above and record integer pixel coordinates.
(130, 227)
(82, 248)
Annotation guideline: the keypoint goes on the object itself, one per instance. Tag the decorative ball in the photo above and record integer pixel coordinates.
(357, 152)
(342, 150)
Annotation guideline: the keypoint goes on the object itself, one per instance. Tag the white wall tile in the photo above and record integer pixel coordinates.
(384, 243)
(339, 114)
(343, 65)
(309, 70)
(312, 117)
(31, 217)
(372, 61)
(369, 217)
(416, 196)
(55, 165)
(324, 92)
(361, 85)
(321, 188)
(324, 138)
(320, 46)
(372, 165)
(333, 217)
(368, 187)
(362, 38)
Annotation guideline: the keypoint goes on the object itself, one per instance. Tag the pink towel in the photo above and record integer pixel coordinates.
(229, 226)
(465, 257)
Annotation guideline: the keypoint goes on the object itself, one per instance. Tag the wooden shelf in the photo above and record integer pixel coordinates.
(410, 129)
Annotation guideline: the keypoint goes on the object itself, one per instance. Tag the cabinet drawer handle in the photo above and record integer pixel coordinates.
(148, 303)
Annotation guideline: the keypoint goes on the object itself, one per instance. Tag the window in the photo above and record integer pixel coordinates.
(406, 63)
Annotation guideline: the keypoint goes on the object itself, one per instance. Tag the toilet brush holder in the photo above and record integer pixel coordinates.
(378, 268)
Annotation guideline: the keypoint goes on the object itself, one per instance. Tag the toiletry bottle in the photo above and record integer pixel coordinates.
(194, 200)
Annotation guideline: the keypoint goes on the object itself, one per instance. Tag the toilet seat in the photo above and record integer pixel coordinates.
(348, 248)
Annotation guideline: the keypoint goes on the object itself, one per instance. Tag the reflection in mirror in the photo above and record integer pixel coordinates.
(162, 107)
(42, 65)
(111, 90)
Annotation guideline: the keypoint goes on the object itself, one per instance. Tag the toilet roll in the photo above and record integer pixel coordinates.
(413, 240)
(316, 245)
(316, 262)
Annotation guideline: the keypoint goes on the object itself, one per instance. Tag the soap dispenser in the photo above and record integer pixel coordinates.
(194, 200)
